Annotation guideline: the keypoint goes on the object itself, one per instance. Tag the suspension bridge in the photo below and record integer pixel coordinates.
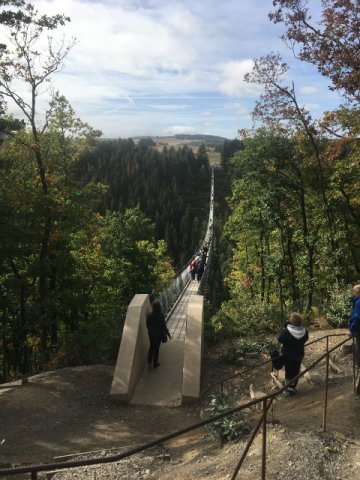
(179, 376)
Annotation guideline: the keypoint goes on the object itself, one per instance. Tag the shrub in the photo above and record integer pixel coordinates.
(338, 306)
(246, 316)
(244, 346)
(209, 331)
(91, 343)
(226, 428)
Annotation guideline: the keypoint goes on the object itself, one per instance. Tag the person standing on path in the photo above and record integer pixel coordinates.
(157, 330)
(354, 322)
(293, 338)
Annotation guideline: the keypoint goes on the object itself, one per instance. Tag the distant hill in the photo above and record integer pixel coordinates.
(213, 143)
(185, 138)
(204, 138)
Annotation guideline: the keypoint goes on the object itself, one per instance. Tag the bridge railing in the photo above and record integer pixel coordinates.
(169, 296)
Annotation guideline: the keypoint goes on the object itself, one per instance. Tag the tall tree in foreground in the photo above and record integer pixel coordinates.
(21, 61)
(333, 45)
(295, 210)
(279, 103)
(67, 272)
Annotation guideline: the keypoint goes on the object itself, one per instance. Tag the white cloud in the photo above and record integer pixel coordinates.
(237, 107)
(308, 90)
(169, 106)
(177, 129)
(231, 79)
(312, 107)
(132, 41)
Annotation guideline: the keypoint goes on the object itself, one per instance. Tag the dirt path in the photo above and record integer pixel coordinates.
(69, 411)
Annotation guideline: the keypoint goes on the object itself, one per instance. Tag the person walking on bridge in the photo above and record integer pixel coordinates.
(192, 267)
(200, 269)
(157, 331)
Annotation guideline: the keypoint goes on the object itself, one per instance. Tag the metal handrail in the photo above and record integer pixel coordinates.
(258, 365)
(265, 400)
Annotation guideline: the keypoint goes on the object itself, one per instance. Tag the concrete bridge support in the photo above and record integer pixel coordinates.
(133, 349)
(178, 378)
(193, 349)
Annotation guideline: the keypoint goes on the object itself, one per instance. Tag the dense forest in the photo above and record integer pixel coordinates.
(294, 222)
(171, 187)
(87, 223)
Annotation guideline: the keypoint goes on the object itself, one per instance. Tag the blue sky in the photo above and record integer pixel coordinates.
(160, 67)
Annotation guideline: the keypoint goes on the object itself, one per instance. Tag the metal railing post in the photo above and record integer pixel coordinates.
(326, 383)
(354, 366)
(264, 421)
(250, 441)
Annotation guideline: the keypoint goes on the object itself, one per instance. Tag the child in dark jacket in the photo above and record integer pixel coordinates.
(293, 338)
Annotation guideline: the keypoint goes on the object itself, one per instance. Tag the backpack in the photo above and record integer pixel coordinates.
(276, 359)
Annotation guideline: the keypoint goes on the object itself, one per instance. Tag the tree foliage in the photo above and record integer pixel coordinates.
(294, 222)
(68, 270)
(332, 44)
(283, 257)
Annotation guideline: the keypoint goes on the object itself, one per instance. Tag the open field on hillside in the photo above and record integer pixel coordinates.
(214, 157)
(194, 144)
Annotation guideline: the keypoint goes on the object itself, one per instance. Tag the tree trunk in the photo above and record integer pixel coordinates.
(294, 292)
(310, 254)
(262, 267)
(281, 300)
(43, 290)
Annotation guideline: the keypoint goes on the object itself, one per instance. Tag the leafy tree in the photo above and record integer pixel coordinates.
(59, 280)
(279, 104)
(332, 44)
(228, 150)
(25, 14)
(294, 222)
(281, 258)
(112, 259)
(21, 61)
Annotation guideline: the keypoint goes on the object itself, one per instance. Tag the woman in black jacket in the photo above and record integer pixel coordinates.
(157, 329)
(293, 338)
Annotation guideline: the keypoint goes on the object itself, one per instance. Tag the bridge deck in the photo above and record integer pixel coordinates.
(162, 386)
